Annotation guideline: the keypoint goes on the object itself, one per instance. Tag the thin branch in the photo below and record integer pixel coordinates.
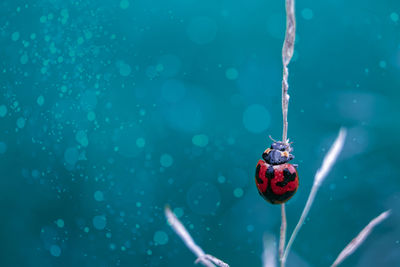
(360, 238)
(287, 53)
(282, 239)
(213, 259)
(269, 253)
(327, 164)
(180, 230)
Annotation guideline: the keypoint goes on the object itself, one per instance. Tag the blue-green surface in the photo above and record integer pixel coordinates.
(109, 110)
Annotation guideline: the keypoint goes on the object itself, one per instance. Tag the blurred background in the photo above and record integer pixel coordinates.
(109, 110)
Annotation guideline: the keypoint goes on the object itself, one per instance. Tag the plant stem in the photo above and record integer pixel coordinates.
(327, 164)
(287, 53)
(282, 239)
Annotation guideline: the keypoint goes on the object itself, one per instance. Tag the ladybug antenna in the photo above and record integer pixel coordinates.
(272, 139)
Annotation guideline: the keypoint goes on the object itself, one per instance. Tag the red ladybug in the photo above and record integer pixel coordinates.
(277, 181)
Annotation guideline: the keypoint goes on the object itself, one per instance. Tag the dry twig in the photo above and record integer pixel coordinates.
(360, 238)
(287, 53)
(180, 230)
(269, 253)
(327, 164)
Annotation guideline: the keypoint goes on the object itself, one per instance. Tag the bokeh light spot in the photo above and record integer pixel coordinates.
(307, 13)
(160, 238)
(55, 250)
(40, 100)
(71, 155)
(15, 36)
(98, 196)
(21, 122)
(221, 179)
(24, 59)
(140, 142)
(394, 16)
(99, 222)
(231, 74)
(124, 69)
(124, 4)
(3, 147)
(166, 160)
(91, 116)
(60, 223)
(81, 138)
(178, 212)
(3, 111)
(200, 140)
(238, 192)
(256, 118)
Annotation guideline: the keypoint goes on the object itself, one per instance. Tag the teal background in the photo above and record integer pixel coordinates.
(109, 110)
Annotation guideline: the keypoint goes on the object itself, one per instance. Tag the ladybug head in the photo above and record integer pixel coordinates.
(278, 153)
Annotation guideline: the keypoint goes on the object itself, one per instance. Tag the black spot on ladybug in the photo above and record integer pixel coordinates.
(275, 198)
(270, 172)
(287, 177)
(259, 180)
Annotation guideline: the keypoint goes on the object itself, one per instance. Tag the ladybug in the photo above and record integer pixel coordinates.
(276, 179)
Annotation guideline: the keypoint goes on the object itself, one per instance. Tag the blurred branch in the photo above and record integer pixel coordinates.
(269, 253)
(360, 238)
(180, 230)
(327, 164)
